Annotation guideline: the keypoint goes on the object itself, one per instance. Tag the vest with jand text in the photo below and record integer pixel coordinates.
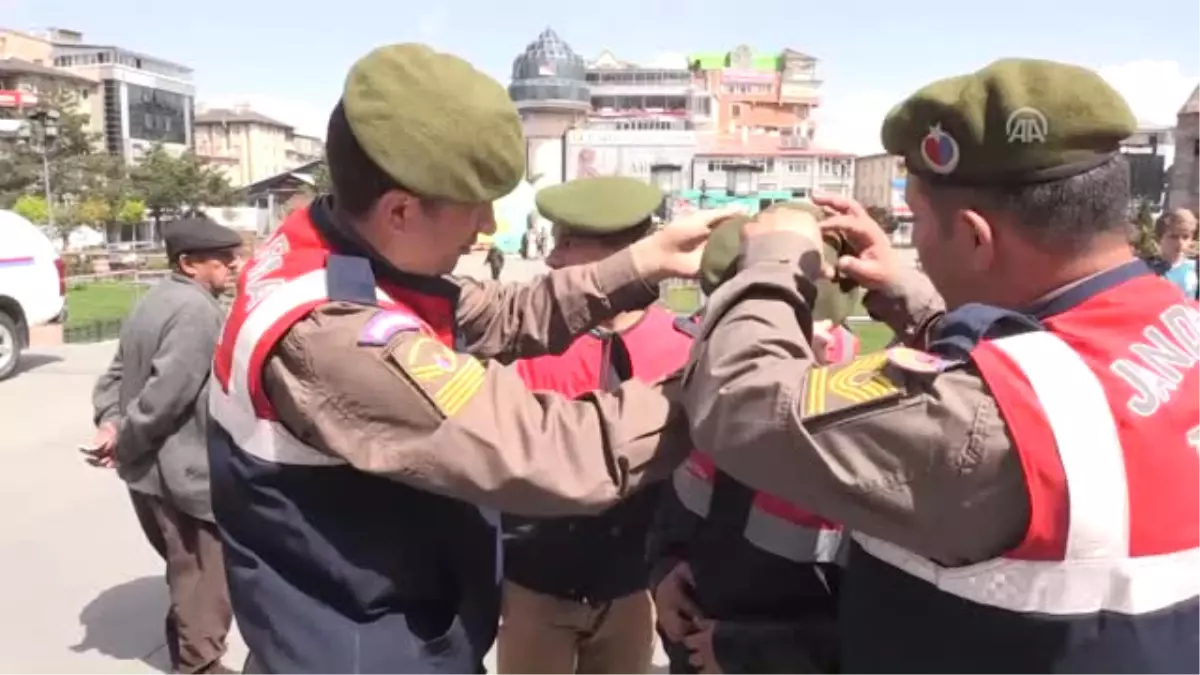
(331, 569)
(1102, 408)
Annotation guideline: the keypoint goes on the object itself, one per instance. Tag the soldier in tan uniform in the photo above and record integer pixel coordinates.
(1021, 489)
(365, 431)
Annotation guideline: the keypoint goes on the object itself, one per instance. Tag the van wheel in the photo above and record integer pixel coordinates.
(10, 346)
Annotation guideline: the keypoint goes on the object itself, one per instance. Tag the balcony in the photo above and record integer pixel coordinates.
(640, 89)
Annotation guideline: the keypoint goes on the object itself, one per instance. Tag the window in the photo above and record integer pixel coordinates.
(736, 110)
(156, 115)
(1196, 148)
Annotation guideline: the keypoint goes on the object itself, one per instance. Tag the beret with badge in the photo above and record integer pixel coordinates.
(435, 124)
(835, 299)
(599, 206)
(1014, 122)
(198, 235)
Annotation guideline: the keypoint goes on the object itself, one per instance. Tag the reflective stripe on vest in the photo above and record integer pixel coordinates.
(1097, 572)
(234, 410)
(772, 525)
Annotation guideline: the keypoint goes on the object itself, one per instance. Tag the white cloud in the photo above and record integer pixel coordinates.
(850, 120)
(308, 117)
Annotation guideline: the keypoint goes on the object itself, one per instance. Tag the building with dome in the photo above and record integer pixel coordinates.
(549, 87)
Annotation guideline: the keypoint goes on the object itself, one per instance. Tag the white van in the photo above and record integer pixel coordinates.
(33, 286)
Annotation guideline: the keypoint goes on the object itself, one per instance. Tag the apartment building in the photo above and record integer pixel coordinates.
(143, 99)
(27, 71)
(775, 93)
(627, 96)
(249, 146)
(1185, 171)
(786, 163)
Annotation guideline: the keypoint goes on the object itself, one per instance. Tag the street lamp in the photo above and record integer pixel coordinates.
(741, 180)
(44, 124)
(667, 178)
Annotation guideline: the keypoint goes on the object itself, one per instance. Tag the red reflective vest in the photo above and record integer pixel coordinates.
(1102, 408)
(656, 349)
(774, 525)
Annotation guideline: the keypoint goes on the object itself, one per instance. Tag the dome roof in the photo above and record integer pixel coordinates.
(550, 71)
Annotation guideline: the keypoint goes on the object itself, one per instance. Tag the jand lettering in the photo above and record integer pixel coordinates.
(1155, 368)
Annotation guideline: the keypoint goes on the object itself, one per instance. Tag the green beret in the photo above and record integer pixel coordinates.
(719, 262)
(435, 124)
(1017, 121)
(599, 206)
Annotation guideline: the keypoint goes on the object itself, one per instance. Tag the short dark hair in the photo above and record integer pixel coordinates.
(356, 180)
(1063, 215)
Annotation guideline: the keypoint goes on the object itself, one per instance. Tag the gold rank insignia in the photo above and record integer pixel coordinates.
(841, 386)
(448, 379)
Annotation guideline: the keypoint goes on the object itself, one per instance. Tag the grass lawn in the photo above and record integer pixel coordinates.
(873, 335)
(101, 301)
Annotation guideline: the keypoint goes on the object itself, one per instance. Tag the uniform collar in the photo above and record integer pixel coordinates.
(345, 241)
(1077, 292)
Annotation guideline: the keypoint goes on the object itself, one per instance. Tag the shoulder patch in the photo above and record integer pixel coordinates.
(688, 326)
(914, 361)
(837, 387)
(382, 327)
(447, 378)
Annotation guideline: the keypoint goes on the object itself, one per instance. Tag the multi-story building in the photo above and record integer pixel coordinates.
(785, 163)
(772, 93)
(144, 99)
(1184, 190)
(879, 180)
(249, 146)
(550, 90)
(1149, 152)
(27, 72)
(633, 97)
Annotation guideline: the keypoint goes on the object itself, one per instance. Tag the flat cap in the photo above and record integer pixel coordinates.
(197, 235)
(435, 124)
(1015, 122)
(719, 262)
(599, 206)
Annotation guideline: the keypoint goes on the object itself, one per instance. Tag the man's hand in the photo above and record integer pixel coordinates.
(700, 644)
(102, 452)
(675, 250)
(677, 613)
(875, 265)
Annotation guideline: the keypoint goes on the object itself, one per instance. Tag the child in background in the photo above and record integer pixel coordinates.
(1176, 261)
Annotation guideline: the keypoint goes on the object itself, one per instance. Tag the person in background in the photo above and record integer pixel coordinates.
(1176, 259)
(151, 416)
(575, 590)
(495, 261)
(744, 581)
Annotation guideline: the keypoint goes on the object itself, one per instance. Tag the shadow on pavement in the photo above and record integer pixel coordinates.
(127, 622)
(32, 361)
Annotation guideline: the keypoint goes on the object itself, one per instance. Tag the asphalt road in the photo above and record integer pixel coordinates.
(82, 589)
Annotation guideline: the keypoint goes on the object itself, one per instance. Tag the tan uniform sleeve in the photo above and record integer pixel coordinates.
(922, 460)
(508, 321)
(911, 307)
(419, 413)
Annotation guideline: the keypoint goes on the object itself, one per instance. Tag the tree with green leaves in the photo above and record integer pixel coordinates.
(320, 176)
(32, 208)
(1143, 239)
(172, 186)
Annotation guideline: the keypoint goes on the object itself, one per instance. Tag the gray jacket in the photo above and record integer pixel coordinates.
(155, 391)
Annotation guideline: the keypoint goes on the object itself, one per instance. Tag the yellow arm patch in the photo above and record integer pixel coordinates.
(448, 379)
(834, 388)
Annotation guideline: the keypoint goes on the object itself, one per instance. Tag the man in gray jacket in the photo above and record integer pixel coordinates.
(151, 418)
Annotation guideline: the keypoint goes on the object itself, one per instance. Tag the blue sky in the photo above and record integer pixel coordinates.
(288, 58)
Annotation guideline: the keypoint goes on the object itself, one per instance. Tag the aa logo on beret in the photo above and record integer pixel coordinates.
(940, 151)
(830, 389)
(1026, 125)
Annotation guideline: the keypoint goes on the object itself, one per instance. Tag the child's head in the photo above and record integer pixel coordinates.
(1176, 233)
